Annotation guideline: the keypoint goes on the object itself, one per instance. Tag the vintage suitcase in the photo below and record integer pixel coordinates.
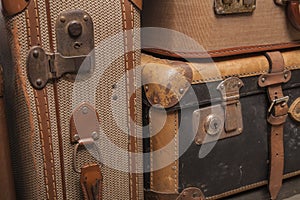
(218, 127)
(222, 27)
(74, 88)
(6, 184)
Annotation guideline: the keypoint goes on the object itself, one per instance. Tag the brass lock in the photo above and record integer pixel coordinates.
(223, 120)
(223, 7)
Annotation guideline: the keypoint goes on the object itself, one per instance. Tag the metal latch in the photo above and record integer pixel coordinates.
(222, 120)
(234, 6)
(75, 44)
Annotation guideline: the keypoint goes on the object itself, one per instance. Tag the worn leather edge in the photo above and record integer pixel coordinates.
(224, 52)
(1, 82)
(13, 7)
(294, 110)
(129, 58)
(56, 100)
(164, 172)
(7, 190)
(32, 20)
(201, 73)
(91, 181)
(164, 84)
(222, 195)
(138, 3)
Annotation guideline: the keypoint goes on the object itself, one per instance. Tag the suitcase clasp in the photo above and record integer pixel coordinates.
(223, 120)
(234, 6)
(74, 56)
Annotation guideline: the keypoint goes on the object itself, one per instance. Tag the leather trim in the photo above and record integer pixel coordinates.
(138, 3)
(178, 76)
(32, 19)
(191, 193)
(225, 52)
(295, 110)
(277, 120)
(129, 57)
(13, 7)
(91, 181)
(7, 106)
(56, 100)
(164, 84)
(7, 190)
(1, 82)
(156, 195)
(163, 128)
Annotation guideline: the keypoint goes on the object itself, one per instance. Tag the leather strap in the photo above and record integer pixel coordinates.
(7, 119)
(277, 117)
(91, 181)
(128, 25)
(32, 19)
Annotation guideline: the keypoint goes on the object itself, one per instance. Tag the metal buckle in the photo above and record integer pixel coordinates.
(86, 143)
(282, 100)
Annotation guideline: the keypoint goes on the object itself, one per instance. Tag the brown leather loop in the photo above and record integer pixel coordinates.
(277, 117)
(13, 7)
(91, 181)
(293, 13)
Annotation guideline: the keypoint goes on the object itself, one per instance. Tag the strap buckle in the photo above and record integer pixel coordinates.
(283, 101)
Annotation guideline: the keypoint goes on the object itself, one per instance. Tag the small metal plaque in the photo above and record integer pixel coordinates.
(223, 7)
(74, 57)
(220, 121)
(294, 110)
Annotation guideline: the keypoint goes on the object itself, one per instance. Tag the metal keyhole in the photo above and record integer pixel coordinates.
(213, 125)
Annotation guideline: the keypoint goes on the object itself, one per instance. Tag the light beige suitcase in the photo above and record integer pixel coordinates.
(68, 141)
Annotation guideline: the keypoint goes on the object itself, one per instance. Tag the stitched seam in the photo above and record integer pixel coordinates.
(39, 112)
(175, 164)
(135, 104)
(127, 87)
(151, 149)
(228, 50)
(223, 77)
(239, 75)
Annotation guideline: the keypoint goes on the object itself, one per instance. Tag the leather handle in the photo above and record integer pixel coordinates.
(293, 13)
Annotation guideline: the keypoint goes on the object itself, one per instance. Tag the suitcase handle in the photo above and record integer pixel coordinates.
(293, 13)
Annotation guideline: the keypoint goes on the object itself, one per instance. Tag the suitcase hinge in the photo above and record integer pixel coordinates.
(220, 121)
(74, 41)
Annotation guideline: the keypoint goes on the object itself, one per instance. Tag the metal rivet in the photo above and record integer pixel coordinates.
(222, 86)
(263, 79)
(286, 75)
(35, 53)
(76, 137)
(62, 19)
(115, 97)
(146, 88)
(39, 82)
(85, 18)
(75, 28)
(240, 130)
(283, 104)
(181, 90)
(85, 110)
(95, 135)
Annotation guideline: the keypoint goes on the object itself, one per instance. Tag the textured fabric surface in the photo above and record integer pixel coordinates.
(27, 154)
(196, 19)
